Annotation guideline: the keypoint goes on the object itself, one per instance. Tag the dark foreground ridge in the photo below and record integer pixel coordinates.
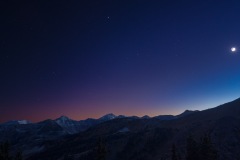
(130, 138)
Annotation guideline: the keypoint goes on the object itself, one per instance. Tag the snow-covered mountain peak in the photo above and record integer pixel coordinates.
(24, 122)
(17, 122)
(108, 117)
(63, 118)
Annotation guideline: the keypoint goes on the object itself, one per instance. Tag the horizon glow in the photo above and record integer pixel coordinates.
(87, 59)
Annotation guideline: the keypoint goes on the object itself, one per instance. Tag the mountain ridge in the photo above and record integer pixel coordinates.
(107, 116)
(150, 138)
(214, 121)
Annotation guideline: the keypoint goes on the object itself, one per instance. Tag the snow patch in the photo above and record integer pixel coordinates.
(23, 122)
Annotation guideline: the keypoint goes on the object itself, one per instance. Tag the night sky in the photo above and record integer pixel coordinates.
(86, 58)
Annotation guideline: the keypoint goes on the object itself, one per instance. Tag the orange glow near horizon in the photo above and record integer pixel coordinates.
(37, 113)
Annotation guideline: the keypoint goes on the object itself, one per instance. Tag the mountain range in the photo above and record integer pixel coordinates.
(128, 138)
(70, 126)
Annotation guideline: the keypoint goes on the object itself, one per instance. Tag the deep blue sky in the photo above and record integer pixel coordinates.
(87, 58)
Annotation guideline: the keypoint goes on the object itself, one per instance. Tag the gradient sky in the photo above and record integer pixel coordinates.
(87, 58)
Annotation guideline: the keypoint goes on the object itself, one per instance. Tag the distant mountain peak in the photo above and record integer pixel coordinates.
(187, 112)
(17, 122)
(24, 122)
(111, 114)
(108, 116)
(121, 116)
(64, 118)
(71, 126)
(190, 111)
(145, 117)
